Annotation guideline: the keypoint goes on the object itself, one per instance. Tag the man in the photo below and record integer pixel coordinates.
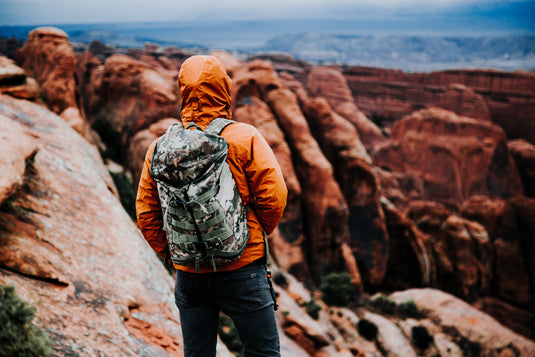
(240, 289)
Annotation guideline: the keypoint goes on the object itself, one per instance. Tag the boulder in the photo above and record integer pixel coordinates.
(48, 56)
(475, 332)
(70, 249)
(17, 148)
(231, 63)
(14, 82)
(390, 338)
(75, 119)
(463, 101)
(456, 157)
(141, 141)
(125, 96)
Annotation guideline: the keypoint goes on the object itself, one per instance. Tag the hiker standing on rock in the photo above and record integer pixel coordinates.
(210, 191)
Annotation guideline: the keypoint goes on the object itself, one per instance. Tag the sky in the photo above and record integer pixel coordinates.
(54, 12)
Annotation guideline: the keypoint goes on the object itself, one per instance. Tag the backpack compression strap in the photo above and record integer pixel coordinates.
(217, 125)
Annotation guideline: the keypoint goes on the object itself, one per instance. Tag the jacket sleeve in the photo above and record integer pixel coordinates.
(148, 209)
(266, 184)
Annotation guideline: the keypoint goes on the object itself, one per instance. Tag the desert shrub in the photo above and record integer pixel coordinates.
(337, 289)
(313, 308)
(367, 329)
(126, 191)
(409, 309)
(18, 336)
(110, 137)
(229, 335)
(421, 338)
(384, 304)
(281, 280)
(388, 306)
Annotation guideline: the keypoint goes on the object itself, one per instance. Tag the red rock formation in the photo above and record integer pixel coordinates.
(353, 171)
(463, 101)
(69, 248)
(411, 262)
(512, 237)
(141, 141)
(48, 57)
(519, 320)
(325, 209)
(464, 322)
(524, 155)
(489, 267)
(287, 245)
(335, 191)
(14, 82)
(456, 157)
(17, 147)
(388, 95)
(329, 83)
(125, 96)
(89, 73)
(231, 63)
(466, 257)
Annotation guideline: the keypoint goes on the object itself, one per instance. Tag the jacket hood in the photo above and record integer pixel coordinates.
(205, 89)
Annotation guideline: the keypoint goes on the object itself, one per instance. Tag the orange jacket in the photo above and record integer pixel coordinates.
(205, 89)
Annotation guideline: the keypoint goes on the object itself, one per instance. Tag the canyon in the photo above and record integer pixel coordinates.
(419, 186)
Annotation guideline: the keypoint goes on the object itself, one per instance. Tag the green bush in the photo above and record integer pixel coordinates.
(388, 306)
(229, 335)
(367, 329)
(18, 336)
(337, 289)
(409, 309)
(281, 280)
(384, 304)
(126, 191)
(313, 308)
(421, 337)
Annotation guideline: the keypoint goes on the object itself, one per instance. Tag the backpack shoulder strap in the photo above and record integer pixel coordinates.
(217, 125)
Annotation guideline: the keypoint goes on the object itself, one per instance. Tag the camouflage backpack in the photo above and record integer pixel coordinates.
(204, 217)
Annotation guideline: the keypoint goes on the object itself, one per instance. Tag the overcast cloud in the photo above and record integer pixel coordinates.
(29, 12)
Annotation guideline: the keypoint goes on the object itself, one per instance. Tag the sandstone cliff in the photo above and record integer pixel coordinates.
(97, 287)
(428, 194)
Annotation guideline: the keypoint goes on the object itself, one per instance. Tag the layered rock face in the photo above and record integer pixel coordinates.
(430, 193)
(455, 157)
(506, 98)
(69, 247)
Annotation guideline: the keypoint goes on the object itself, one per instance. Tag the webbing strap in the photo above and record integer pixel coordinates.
(178, 238)
(214, 221)
(193, 125)
(217, 125)
(198, 246)
(206, 196)
(218, 234)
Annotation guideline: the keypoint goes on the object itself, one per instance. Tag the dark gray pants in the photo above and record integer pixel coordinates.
(244, 295)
